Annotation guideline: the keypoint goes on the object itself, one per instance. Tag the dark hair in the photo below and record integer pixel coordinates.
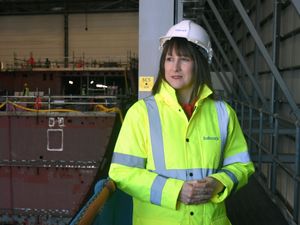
(183, 47)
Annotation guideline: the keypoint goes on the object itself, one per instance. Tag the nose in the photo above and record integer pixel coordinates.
(176, 65)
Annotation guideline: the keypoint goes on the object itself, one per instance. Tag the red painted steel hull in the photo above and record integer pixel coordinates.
(47, 168)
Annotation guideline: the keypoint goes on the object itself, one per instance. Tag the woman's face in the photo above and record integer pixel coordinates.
(179, 71)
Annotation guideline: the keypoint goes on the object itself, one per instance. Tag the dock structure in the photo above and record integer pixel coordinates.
(69, 70)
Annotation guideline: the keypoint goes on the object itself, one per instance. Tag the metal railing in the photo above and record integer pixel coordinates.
(47, 102)
(62, 104)
(274, 145)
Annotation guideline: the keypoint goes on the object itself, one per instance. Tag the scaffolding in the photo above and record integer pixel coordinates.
(261, 91)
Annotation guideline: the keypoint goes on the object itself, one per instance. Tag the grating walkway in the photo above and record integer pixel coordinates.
(252, 206)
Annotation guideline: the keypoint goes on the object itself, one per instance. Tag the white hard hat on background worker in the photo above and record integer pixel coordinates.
(193, 33)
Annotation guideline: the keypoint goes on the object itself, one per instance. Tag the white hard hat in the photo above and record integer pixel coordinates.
(193, 33)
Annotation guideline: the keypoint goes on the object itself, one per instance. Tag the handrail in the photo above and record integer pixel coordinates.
(275, 115)
(72, 63)
(40, 104)
(88, 213)
(269, 151)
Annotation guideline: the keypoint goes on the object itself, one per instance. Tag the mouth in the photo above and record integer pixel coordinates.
(176, 77)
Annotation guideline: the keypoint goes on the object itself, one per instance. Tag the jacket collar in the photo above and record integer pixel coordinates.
(168, 94)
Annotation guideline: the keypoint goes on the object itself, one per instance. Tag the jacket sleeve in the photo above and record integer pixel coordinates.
(237, 166)
(129, 167)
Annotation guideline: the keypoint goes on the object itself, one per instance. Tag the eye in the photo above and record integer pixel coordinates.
(187, 59)
(169, 58)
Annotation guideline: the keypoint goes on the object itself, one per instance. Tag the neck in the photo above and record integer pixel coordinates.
(184, 96)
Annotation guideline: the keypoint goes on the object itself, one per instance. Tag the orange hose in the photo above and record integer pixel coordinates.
(113, 109)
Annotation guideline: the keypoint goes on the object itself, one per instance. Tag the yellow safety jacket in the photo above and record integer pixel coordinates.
(158, 149)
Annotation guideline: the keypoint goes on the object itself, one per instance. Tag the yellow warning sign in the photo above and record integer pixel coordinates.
(146, 83)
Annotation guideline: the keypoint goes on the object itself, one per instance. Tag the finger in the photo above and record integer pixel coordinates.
(200, 200)
(202, 189)
(200, 184)
(195, 183)
(204, 194)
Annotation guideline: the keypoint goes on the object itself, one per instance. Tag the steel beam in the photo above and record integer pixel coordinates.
(267, 158)
(221, 79)
(237, 51)
(212, 34)
(296, 183)
(66, 40)
(275, 52)
(256, 52)
(267, 57)
(155, 18)
(296, 4)
(224, 75)
(178, 14)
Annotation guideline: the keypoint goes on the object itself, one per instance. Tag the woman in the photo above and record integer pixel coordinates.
(180, 153)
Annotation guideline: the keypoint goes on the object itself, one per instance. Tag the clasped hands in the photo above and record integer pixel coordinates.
(199, 191)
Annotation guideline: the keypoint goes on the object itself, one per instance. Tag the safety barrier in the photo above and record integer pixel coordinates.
(61, 104)
(107, 206)
(274, 144)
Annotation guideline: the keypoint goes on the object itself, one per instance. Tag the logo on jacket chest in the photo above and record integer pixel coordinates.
(210, 138)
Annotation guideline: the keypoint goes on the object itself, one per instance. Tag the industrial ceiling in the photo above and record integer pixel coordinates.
(191, 8)
(39, 7)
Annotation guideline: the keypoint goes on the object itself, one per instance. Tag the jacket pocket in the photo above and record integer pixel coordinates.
(221, 221)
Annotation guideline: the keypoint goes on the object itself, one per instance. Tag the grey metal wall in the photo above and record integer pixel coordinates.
(156, 17)
(288, 54)
(41, 35)
(278, 26)
(105, 36)
(260, 46)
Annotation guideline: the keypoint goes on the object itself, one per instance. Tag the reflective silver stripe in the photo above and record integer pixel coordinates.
(232, 177)
(158, 148)
(242, 157)
(156, 189)
(223, 119)
(129, 160)
(187, 174)
(182, 174)
(155, 133)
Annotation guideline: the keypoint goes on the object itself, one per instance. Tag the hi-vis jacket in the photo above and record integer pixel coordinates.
(158, 149)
